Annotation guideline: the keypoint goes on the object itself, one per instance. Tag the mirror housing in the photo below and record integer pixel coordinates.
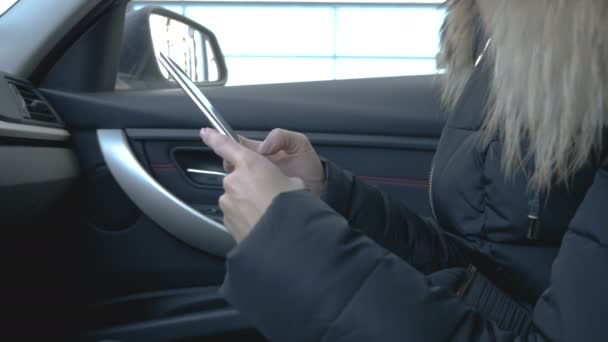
(194, 47)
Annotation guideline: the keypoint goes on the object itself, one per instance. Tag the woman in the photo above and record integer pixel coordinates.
(518, 247)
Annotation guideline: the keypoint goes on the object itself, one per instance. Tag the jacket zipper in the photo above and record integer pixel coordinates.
(431, 192)
(479, 59)
(534, 226)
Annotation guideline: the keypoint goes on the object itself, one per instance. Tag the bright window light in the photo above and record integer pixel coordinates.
(5, 5)
(280, 41)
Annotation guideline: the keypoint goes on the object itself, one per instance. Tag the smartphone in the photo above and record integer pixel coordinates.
(197, 96)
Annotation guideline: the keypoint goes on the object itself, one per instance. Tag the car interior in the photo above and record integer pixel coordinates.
(109, 234)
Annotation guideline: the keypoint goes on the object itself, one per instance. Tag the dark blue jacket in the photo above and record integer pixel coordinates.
(498, 262)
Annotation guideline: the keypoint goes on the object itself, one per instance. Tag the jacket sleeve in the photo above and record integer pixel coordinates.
(389, 223)
(305, 275)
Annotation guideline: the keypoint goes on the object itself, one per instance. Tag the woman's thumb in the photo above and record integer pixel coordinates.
(275, 141)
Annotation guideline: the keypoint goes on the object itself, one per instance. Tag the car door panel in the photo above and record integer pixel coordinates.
(366, 156)
(395, 106)
(383, 130)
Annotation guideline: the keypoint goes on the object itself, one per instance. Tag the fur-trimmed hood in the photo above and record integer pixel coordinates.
(549, 78)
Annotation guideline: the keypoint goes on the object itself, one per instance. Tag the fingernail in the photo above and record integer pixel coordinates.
(203, 131)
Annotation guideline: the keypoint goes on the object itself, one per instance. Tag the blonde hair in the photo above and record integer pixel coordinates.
(549, 80)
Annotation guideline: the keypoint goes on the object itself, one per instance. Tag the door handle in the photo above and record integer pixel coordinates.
(207, 172)
(161, 206)
(206, 177)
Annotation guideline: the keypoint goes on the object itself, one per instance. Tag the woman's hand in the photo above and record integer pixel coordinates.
(254, 181)
(293, 153)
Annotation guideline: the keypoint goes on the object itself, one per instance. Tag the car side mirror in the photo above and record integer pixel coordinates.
(192, 46)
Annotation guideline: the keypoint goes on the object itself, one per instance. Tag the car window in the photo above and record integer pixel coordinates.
(5, 5)
(284, 41)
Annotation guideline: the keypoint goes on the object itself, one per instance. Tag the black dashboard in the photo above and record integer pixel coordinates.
(37, 164)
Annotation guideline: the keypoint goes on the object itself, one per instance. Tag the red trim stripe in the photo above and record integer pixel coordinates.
(412, 183)
(163, 167)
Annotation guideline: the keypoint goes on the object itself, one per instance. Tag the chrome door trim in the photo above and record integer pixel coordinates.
(15, 130)
(156, 202)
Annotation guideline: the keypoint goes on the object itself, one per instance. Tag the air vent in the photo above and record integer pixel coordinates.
(37, 108)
